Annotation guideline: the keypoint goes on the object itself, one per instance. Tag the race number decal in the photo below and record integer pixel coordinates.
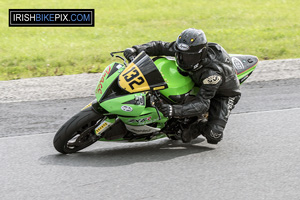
(132, 79)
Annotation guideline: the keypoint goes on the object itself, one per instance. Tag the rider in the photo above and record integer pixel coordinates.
(211, 68)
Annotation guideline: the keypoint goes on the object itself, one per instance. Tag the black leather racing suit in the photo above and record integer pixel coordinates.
(218, 83)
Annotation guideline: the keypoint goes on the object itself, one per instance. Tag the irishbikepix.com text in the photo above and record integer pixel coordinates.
(51, 17)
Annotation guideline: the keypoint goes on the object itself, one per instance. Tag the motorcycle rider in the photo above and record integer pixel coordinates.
(211, 69)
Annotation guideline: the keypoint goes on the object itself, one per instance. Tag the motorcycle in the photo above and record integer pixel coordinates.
(124, 108)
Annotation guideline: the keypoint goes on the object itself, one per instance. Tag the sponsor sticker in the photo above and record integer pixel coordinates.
(126, 108)
(237, 63)
(140, 121)
(100, 127)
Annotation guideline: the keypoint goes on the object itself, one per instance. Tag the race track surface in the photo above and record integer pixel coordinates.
(258, 158)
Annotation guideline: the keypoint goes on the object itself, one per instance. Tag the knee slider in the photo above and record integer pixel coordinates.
(214, 134)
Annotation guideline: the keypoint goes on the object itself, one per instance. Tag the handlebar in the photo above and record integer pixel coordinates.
(131, 58)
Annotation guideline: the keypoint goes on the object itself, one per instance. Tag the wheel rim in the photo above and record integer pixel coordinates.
(82, 138)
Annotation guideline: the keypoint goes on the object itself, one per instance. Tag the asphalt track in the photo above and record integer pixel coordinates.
(258, 158)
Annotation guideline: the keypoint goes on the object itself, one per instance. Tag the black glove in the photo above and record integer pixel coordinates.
(165, 109)
(130, 54)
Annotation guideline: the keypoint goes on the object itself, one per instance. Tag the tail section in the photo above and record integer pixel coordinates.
(244, 65)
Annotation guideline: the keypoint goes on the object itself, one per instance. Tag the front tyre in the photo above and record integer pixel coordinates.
(78, 132)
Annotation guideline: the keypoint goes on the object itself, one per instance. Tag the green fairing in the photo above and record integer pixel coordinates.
(177, 83)
(105, 82)
(114, 106)
(134, 114)
(243, 74)
(148, 116)
(248, 67)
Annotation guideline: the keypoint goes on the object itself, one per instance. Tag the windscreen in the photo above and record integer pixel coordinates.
(141, 75)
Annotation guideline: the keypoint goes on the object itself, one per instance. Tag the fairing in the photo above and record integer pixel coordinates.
(130, 107)
(110, 73)
(244, 65)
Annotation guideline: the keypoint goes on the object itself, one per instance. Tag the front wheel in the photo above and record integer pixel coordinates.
(78, 132)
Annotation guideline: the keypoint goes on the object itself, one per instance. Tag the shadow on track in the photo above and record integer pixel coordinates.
(128, 154)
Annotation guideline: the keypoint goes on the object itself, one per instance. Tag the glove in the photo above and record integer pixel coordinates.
(165, 109)
(130, 53)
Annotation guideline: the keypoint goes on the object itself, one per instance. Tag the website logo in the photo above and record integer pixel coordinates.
(51, 17)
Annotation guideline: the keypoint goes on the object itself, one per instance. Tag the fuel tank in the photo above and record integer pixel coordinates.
(179, 85)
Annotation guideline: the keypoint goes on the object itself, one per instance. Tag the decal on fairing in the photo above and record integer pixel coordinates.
(237, 63)
(126, 108)
(102, 78)
(140, 121)
(87, 106)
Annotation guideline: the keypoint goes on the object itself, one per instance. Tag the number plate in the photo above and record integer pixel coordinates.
(133, 80)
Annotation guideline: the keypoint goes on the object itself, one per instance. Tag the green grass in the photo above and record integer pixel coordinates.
(268, 29)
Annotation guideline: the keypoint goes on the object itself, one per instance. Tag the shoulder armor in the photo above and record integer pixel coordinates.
(215, 46)
(220, 53)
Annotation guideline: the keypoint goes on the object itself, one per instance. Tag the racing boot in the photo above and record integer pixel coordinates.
(186, 136)
(194, 130)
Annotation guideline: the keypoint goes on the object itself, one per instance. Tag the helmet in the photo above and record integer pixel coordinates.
(190, 49)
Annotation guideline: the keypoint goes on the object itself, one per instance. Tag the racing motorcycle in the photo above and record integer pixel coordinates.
(124, 108)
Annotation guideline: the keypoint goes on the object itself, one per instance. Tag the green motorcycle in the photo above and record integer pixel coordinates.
(124, 108)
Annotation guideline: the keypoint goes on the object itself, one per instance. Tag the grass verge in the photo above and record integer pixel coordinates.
(267, 29)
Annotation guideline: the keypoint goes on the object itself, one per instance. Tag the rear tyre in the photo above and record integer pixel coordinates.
(78, 132)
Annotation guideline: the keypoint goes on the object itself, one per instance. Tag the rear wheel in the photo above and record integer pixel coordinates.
(78, 132)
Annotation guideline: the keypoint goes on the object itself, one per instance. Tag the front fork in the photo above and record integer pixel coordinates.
(105, 123)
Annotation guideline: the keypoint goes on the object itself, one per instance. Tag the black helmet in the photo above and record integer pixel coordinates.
(190, 49)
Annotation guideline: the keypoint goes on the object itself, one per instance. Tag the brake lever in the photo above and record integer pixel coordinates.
(124, 60)
(112, 53)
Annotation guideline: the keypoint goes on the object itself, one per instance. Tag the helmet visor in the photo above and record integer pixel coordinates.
(187, 61)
